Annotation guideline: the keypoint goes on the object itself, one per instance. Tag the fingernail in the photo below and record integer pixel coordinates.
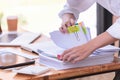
(59, 57)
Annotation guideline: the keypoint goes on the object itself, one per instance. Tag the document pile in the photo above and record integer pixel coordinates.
(77, 37)
(49, 51)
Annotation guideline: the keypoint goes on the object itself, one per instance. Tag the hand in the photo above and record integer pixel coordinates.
(81, 52)
(67, 20)
(76, 54)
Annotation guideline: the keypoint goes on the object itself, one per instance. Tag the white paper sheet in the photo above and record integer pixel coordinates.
(67, 41)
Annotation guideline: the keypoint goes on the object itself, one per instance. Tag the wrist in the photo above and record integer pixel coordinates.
(91, 46)
(68, 15)
(100, 41)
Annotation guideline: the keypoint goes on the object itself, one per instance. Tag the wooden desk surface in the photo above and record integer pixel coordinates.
(61, 74)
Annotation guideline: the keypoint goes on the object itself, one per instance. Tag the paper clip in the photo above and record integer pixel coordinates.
(77, 36)
(74, 29)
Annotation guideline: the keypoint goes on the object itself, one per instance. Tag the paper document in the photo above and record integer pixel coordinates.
(67, 41)
(51, 50)
(48, 47)
(90, 61)
(109, 48)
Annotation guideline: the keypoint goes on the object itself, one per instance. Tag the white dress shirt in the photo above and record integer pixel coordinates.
(77, 6)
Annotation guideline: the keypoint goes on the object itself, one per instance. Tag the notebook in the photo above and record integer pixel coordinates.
(17, 38)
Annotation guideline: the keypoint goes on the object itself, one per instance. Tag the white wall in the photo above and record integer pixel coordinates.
(44, 18)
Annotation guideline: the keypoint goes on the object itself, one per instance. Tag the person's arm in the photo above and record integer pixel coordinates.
(75, 7)
(70, 13)
(114, 30)
(114, 18)
(101, 40)
(81, 52)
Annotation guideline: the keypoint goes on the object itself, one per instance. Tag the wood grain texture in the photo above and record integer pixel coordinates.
(54, 74)
(63, 74)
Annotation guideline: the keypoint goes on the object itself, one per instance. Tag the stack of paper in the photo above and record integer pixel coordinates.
(105, 56)
(49, 50)
(90, 61)
(67, 41)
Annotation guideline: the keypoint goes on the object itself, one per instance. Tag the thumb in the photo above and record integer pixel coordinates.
(72, 22)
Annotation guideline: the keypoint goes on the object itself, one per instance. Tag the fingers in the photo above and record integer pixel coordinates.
(77, 59)
(64, 55)
(66, 24)
(74, 55)
(63, 29)
(67, 57)
(73, 58)
(72, 22)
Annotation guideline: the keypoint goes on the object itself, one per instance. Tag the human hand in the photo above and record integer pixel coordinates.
(81, 52)
(67, 20)
(77, 54)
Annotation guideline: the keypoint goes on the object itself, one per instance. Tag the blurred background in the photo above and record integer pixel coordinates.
(42, 15)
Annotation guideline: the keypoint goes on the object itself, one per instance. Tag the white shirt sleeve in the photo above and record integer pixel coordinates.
(114, 8)
(111, 5)
(114, 30)
(75, 7)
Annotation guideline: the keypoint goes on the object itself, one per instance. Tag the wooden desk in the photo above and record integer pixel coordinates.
(62, 74)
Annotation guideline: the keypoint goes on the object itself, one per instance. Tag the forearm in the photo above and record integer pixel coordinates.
(100, 41)
(81, 52)
(68, 16)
